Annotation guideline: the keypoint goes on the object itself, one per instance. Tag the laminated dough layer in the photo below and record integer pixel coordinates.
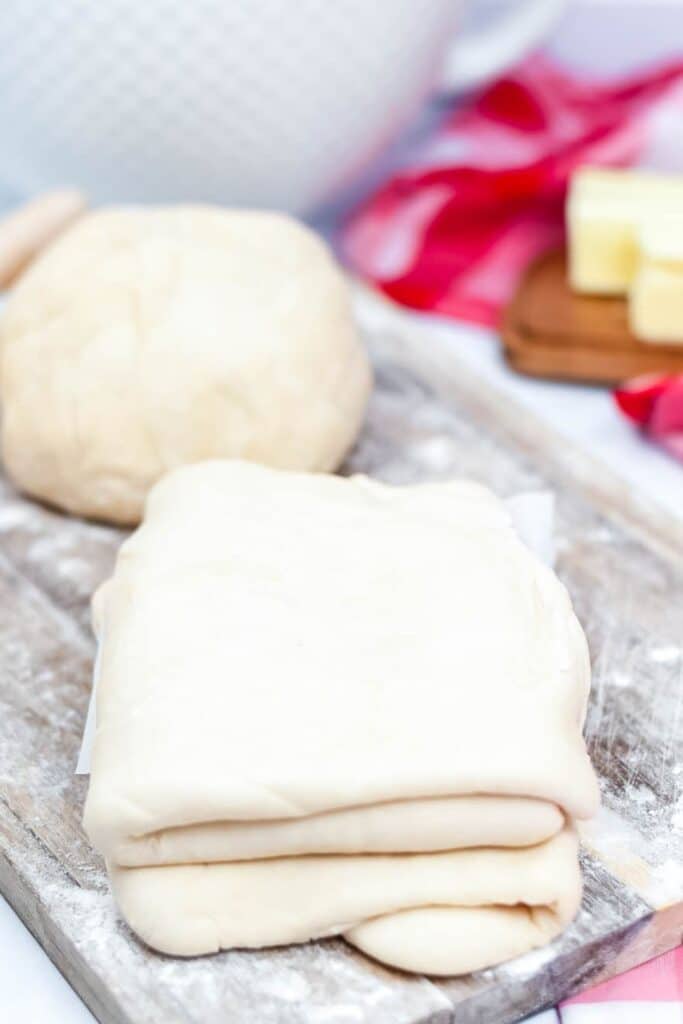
(333, 706)
(491, 904)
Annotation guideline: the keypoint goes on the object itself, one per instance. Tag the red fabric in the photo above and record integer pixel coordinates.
(655, 403)
(452, 233)
(659, 980)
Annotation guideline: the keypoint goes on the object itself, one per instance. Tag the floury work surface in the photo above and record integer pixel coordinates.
(623, 563)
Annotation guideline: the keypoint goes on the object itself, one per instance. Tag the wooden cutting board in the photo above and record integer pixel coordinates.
(623, 563)
(550, 331)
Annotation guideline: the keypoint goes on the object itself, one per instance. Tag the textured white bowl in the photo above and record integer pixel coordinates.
(262, 102)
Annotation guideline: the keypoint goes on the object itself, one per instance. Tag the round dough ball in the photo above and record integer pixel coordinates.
(145, 338)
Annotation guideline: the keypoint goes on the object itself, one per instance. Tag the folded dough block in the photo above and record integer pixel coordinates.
(605, 211)
(333, 706)
(656, 295)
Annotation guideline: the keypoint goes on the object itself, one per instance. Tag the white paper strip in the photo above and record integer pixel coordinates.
(83, 764)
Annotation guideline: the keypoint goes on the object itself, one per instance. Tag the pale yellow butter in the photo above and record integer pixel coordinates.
(606, 210)
(656, 294)
(603, 247)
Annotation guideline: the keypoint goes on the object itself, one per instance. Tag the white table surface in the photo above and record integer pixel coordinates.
(31, 988)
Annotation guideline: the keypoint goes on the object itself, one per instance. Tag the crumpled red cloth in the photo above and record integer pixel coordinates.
(655, 403)
(452, 232)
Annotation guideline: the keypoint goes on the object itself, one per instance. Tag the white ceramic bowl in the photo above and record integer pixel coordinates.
(262, 102)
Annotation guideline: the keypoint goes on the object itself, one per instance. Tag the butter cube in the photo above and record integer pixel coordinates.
(603, 247)
(656, 294)
(605, 212)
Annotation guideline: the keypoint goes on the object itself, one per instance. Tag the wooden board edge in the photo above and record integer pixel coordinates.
(20, 846)
(536, 361)
(25, 901)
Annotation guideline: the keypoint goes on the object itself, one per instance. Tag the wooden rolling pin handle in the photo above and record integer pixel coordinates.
(30, 228)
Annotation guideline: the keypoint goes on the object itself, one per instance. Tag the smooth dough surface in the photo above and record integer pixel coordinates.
(334, 706)
(147, 338)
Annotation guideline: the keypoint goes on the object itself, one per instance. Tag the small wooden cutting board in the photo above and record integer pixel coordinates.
(550, 331)
(430, 418)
